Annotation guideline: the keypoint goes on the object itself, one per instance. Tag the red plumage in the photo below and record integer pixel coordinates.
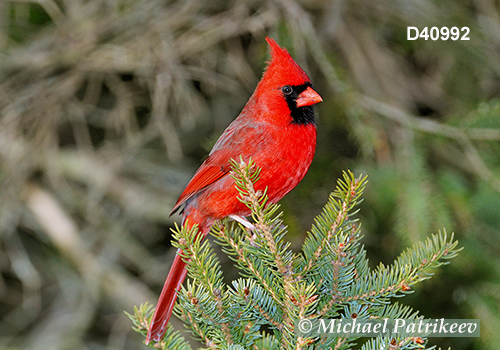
(277, 129)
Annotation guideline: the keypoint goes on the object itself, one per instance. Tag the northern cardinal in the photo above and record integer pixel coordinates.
(277, 129)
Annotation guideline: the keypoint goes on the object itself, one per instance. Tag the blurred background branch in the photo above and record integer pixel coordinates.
(107, 107)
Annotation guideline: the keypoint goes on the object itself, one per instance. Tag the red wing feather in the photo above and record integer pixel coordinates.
(242, 137)
(205, 176)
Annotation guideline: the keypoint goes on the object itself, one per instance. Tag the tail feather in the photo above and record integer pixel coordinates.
(174, 281)
(167, 299)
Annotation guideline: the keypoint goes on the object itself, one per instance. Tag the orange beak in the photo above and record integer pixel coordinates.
(308, 97)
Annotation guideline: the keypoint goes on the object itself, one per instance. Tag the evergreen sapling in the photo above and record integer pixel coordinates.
(329, 278)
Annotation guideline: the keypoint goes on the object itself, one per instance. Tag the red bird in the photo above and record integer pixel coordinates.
(277, 129)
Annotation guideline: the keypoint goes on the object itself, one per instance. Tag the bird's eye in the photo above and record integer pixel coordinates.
(287, 89)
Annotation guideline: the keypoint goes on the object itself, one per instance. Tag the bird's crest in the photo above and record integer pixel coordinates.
(282, 67)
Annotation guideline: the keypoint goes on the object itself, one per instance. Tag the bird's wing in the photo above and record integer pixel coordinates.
(204, 177)
(240, 138)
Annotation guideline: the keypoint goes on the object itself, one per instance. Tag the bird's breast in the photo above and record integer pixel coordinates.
(284, 161)
(284, 166)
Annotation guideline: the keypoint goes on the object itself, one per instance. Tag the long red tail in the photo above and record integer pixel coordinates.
(167, 299)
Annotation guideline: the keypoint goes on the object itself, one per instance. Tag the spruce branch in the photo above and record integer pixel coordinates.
(394, 343)
(205, 298)
(411, 267)
(329, 278)
(341, 202)
(141, 319)
(236, 251)
(245, 176)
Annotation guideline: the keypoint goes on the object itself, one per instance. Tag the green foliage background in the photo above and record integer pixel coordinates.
(108, 107)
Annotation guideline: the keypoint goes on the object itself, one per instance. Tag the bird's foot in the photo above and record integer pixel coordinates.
(243, 221)
(251, 229)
